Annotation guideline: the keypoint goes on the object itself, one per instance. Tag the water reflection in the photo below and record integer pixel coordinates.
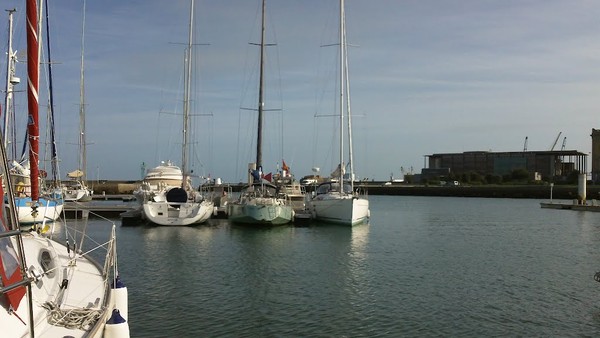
(360, 238)
(420, 268)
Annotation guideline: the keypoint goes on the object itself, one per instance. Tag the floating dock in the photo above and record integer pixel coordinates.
(594, 205)
(131, 214)
(92, 209)
(131, 217)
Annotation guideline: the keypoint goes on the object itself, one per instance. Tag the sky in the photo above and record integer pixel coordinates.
(426, 77)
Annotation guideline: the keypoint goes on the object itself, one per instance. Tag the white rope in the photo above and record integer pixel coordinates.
(82, 319)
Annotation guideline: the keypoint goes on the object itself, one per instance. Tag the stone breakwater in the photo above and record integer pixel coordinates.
(113, 187)
(377, 188)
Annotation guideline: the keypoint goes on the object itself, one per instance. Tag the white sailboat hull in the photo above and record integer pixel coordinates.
(340, 209)
(47, 211)
(86, 290)
(337, 201)
(171, 213)
(48, 289)
(266, 214)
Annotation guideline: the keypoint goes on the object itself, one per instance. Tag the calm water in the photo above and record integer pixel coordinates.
(424, 266)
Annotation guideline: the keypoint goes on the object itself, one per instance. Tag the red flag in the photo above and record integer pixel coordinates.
(268, 177)
(285, 166)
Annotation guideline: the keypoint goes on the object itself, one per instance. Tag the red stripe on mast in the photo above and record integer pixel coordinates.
(33, 129)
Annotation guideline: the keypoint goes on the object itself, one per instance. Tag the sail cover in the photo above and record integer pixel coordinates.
(75, 174)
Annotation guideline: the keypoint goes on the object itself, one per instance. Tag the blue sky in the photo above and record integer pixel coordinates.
(426, 77)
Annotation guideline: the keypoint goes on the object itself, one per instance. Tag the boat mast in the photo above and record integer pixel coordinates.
(33, 130)
(186, 97)
(261, 102)
(54, 159)
(348, 110)
(342, 89)
(82, 139)
(10, 77)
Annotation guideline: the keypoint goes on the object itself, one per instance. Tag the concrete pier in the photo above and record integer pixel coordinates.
(91, 209)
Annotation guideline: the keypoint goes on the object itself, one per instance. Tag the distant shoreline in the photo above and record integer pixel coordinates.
(114, 187)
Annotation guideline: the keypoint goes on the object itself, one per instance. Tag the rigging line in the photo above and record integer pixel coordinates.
(82, 165)
(315, 138)
(277, 65)
(238, 144)
(348, 109)
(7, 30)
(54, 152)
(281, 114)
(156, 139)
(251, 77)
(210, 145)
(9, 89)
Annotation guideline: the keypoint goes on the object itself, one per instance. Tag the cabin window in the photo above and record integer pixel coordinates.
(323, 189)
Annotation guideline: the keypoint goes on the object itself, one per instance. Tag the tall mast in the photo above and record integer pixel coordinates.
(348, 110)
(33, 129)
(261, 102)
(186, 98)
(342, 88)
(10, 73)
(82, 138)
(54, 159)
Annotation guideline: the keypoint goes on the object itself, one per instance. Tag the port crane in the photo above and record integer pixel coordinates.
(555, 141)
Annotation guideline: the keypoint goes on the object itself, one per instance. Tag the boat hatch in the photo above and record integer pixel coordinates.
(47, 263)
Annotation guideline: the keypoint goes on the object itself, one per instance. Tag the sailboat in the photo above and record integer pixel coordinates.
(260, 203)
(50, 203)
(179, 204)
(51, 287)
(291, 188)
(75, 188)
(337, 201)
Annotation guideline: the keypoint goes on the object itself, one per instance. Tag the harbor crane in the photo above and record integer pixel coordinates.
(525, 145)
(564, 143)
(555, 141)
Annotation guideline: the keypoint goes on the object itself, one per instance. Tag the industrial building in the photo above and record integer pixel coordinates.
(553, 165)
(595, 155)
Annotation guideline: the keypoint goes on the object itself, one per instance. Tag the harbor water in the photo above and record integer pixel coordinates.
(423, 266)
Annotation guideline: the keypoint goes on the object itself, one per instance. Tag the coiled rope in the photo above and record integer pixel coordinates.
(82, 319)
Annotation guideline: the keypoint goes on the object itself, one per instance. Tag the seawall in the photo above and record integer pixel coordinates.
(377, 188)
(493, 191)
